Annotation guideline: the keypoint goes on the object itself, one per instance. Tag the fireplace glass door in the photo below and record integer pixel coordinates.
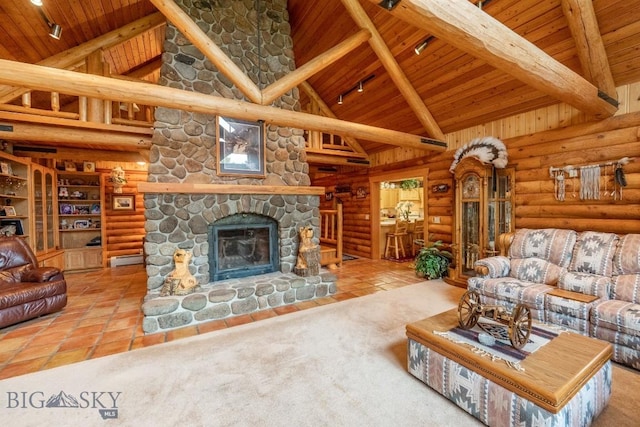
(243, 245)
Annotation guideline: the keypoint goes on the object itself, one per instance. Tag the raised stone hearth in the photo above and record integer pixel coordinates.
(233, 297)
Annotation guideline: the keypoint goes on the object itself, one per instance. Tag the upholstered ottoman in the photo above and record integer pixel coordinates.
(548, 389)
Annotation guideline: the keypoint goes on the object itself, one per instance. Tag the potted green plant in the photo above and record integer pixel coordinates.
(409, 184)
(432, 262)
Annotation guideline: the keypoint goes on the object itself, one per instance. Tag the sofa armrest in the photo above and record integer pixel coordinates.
(493, 267)
(41, 274)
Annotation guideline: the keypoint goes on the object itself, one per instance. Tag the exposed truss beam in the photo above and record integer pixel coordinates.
(70, 58)
(468, 28)
(395, 72)
(69, 82)
(586, 33)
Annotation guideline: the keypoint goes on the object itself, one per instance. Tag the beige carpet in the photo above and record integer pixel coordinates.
(342, 364)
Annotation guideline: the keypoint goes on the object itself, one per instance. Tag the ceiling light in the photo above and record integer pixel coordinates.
(55, 30)
(388, 4)
(360, 88)
(421, 46)
(36, 2)
(340, 99)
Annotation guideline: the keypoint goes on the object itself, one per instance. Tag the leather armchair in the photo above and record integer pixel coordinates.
(26, 290)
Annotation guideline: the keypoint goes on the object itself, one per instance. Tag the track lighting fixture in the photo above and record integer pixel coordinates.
(421, 46)
(55, 30)
(388, 4)
(359, 88)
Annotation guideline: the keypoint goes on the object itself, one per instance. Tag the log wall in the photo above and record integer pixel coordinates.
(535, 204)
(123, 232)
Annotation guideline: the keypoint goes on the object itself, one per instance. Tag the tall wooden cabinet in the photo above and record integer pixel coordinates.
(81, 214)
(484, 209)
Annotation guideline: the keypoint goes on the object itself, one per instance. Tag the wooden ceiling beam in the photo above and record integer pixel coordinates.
(72, 136)
(70, 58)
(328, 159)
(69, 82)
(389, 62)
(292, 79)
(185, 24)
(468, 28)
(64, 153)
(585, 31)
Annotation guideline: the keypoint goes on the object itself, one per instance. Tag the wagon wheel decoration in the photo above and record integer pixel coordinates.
(520, 326)
(468, 312)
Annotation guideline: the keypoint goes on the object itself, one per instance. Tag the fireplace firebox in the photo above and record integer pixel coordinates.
(243, 245)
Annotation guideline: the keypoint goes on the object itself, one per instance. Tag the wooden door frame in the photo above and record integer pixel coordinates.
(374, 185)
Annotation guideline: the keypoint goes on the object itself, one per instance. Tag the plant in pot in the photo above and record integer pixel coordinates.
(432, 262)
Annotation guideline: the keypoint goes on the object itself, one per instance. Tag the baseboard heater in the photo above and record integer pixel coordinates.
(117, 261)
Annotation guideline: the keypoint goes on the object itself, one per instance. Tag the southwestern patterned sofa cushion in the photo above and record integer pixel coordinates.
(550, 244)
(589, 284)
(535, 270)
(593, 253)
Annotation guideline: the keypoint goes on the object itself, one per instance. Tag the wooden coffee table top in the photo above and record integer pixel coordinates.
(552, 375)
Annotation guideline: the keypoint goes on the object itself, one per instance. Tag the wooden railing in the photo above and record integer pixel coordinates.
(331, 236)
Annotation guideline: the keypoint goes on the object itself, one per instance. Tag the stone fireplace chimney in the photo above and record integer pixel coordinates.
(184, 148)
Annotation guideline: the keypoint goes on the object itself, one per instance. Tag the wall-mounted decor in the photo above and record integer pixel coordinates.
(240, 147)
(361, 193)
(124, 202)
(440, 188)
(69, 166)
(89, 167)
(343, 188)
(328, 196)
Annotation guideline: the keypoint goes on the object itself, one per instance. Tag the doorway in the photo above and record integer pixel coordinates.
(418, 208)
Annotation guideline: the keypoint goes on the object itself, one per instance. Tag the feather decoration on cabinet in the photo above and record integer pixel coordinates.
(486, 149)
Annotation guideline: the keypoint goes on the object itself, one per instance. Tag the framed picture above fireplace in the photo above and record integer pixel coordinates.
(240, 147)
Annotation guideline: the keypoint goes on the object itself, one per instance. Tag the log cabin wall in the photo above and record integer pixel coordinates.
(535, 203)
(356, 235)
(124, 231)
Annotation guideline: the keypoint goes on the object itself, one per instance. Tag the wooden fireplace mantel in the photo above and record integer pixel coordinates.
(193, 188)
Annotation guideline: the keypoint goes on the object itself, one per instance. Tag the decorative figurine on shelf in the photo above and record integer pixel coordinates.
(63, 193)
(118, 179)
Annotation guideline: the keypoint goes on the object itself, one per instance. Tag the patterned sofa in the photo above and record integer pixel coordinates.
(587, 281)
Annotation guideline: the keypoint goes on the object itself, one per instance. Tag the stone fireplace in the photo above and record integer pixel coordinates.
(184, 151)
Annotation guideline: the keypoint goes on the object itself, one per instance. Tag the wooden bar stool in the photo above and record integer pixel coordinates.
(416, 236)
(395, 240)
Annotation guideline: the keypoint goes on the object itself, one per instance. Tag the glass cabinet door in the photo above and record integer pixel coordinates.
(470, 227)
(45, 215)
(499, 209)
(49, 189)
(39, 210)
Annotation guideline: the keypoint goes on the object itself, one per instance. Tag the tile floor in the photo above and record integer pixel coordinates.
(103, 315)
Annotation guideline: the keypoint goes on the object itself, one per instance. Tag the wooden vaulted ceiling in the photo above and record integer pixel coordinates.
(481, 64)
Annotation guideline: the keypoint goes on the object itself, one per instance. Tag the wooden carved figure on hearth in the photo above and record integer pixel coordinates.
(180, 281)
(308, 263)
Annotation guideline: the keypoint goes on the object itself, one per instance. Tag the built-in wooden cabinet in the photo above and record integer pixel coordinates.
(81, 217)
(484, 209)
